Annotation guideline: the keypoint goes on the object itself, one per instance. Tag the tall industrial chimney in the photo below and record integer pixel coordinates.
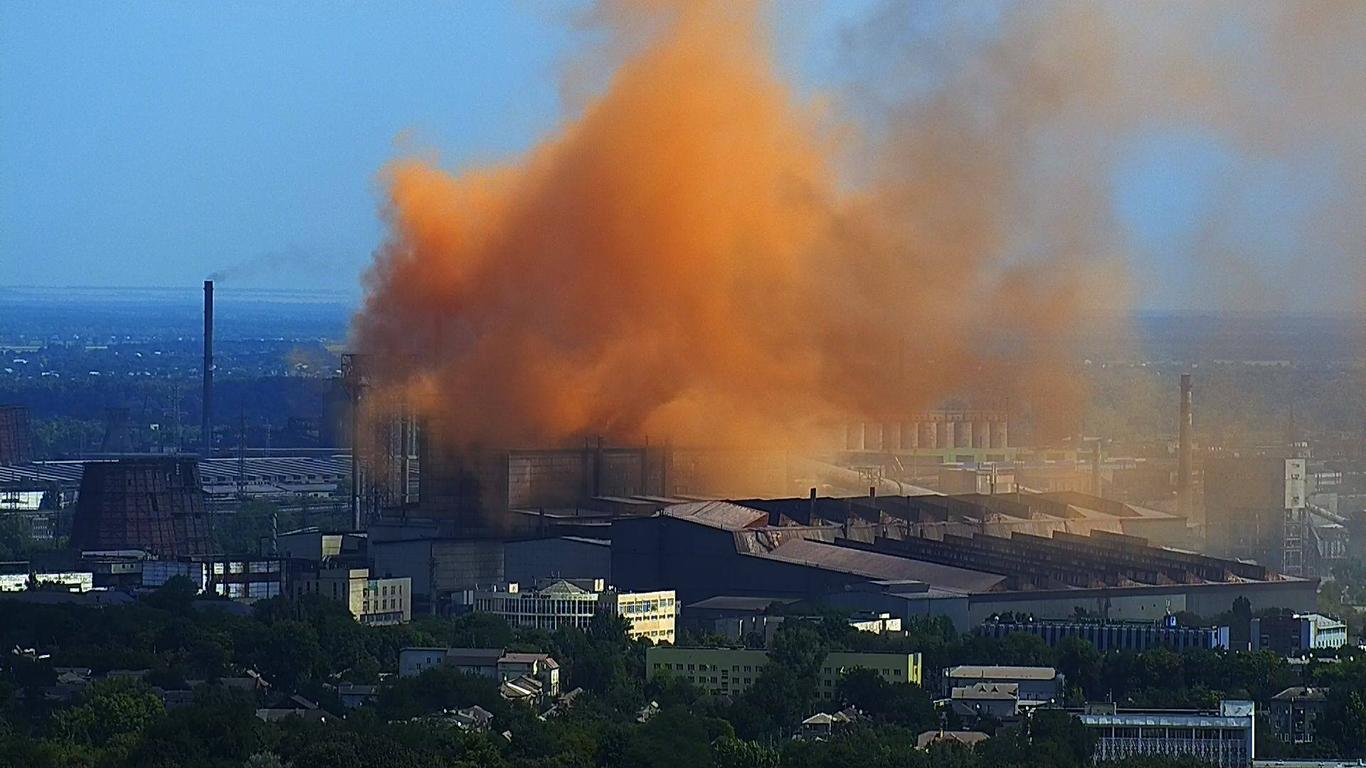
(206, 423)
(1183, 450)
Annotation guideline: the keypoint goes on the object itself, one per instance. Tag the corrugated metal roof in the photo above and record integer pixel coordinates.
(717, 514)
(875, 565)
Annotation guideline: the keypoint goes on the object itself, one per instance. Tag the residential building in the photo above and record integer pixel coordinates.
(1114, 636)
(1295, 711)
(556, 603)
(493, 663)
(733, 670)
(823, 725)
(965, 738)
(1295, 634)
(371, 601)
(995, 701)
(1036, 684)
(1223, 737)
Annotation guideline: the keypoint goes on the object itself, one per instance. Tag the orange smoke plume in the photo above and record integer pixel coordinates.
(682, 261)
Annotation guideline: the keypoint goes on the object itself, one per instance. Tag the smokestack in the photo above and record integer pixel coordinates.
(206, 423)
(1183, 449)
(1095, 468)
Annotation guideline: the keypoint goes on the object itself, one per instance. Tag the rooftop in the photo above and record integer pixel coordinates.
(976, 672)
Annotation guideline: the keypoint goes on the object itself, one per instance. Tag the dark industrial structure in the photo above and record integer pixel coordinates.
(1255, 509)
(154, 504)
(1114, 636)
(206, 421)
(15, 440)
(880, 561)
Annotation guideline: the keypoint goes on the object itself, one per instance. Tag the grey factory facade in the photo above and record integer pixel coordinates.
(706, 549)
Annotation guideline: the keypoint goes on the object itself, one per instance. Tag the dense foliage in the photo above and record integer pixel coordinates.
(311, 646)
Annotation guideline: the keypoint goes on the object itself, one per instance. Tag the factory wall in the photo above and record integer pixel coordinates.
(698, 562)
(531, 559)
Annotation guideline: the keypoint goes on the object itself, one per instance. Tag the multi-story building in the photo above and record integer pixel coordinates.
(1295, 634)
(370, 600)
(235, 578)
(733, 670)
(573, 603)
(1114, 635)
(1294, 712)
(1223, 737)
(1034, 683)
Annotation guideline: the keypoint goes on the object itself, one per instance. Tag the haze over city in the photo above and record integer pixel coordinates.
(661, 383)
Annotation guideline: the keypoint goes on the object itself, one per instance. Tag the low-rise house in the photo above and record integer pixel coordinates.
(823, 725)
(493, 663)
(357, 695)
(965, 738)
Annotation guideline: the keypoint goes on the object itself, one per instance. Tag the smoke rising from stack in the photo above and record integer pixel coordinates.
(700, 255)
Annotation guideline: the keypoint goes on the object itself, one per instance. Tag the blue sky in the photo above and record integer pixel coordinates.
(152, 143)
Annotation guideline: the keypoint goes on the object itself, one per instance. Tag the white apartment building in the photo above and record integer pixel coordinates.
(573, 603)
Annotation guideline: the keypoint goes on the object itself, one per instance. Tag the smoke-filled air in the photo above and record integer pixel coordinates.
(707, 254)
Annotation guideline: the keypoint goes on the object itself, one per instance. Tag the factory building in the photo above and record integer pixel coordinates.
(891, 556)
(557, 603)
(726, 671)
(154, 504)
(1113, 635)
(1255, 509)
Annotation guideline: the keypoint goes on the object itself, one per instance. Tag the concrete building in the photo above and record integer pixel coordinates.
(557, 603)
(1297, 634)
(1223, 737)
(235, 578)
(493, 663)
(1036, 684)
(721, 671)
(370, 600)
(1113, 636)
(1255, 509)
(1294, 713)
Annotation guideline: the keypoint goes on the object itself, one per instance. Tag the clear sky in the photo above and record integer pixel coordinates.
(154, 143)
